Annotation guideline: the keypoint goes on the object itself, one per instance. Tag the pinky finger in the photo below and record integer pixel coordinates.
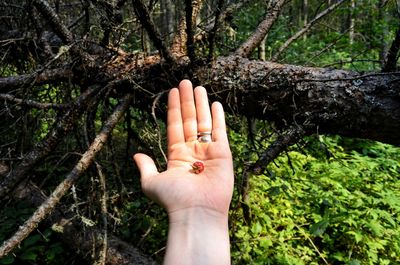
(218, 123)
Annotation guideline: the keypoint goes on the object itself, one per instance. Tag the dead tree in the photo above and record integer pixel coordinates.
(77, 64)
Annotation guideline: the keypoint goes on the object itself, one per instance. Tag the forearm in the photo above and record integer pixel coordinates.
(198, 236)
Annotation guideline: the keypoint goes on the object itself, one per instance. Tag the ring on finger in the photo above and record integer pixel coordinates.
(204, 137)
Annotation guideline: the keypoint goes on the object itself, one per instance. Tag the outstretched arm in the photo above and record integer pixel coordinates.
(197, 202)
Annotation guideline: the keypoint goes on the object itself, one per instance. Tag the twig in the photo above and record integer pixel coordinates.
(50, 203)
(261, 31)
(306, 28)
(37, 78)
(143, 14)
(51, 16)
(284, 140)
(119, 252)
(189, 30)
(391, 58)
(104, 213)
(43, 148)
(213, 32)
(153, 114)
(333, 43)
(32, 103)
(312, 243)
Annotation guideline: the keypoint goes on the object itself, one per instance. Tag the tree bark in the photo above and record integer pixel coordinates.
(321, 100)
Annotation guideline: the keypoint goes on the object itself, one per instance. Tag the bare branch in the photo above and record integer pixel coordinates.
(143, 14)
(104, 213)
(87, 158)
(43, 148)
(288, 138)
(391, 58)
(213, 32)
(226, 13)
(37, 78)
(261, 31)
(153, 114)
(306, 28)
(119, 252)
(189, 30)
(49, 14)
(32, 103)
(177, 48)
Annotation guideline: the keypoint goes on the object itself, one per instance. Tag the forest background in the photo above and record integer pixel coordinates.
(311, 90)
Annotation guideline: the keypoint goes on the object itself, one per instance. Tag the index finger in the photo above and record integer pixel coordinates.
(174, 119)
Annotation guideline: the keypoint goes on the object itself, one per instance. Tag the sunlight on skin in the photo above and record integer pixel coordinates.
(197, 204)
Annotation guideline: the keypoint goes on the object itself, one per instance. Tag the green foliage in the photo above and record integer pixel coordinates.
(39, 248)
(328, 43)
(334, 199)
(338, 203)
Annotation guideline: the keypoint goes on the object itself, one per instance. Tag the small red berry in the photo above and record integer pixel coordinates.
(198, 167)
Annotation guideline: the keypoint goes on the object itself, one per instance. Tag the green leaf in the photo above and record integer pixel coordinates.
(375, 227)
(28, 256)
(265, 243)
(7, 260)
(357, 235)
(274, 191)
(319, 228)
(31, 240)
(354, 262)
(256, 228)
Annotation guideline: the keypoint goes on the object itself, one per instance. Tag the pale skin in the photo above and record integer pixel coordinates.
(197, 204)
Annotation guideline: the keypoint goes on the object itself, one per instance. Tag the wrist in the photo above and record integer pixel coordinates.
(198, 235)
(198, 216)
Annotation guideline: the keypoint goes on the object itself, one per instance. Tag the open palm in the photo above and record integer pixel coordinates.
(179, 187)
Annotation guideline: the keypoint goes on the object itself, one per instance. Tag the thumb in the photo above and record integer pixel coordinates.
(146, 166)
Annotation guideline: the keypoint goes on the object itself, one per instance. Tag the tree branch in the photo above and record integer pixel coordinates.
(87, 158)
(32, 103)
(261, 31)
(225, 15)
(391, 58)
(36, 78)
(143, 14)
(177, 48)
(306, 28)
(288, 138)
(51, 16)
(189, 30)
(119, 252)
(214, 30)
(43, 148)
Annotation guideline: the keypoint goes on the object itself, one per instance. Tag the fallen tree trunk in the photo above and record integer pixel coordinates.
(325, 101)
(320, 100)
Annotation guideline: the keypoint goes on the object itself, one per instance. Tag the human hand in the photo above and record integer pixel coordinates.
(179, 187)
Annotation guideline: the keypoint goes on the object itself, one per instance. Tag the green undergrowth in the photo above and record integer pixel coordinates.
(41, 247)
(336, 203)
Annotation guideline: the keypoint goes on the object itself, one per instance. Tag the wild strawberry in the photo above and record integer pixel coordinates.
(198, 167)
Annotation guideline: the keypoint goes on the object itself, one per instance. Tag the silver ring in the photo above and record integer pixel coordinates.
(204, 137)
(203, 133)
